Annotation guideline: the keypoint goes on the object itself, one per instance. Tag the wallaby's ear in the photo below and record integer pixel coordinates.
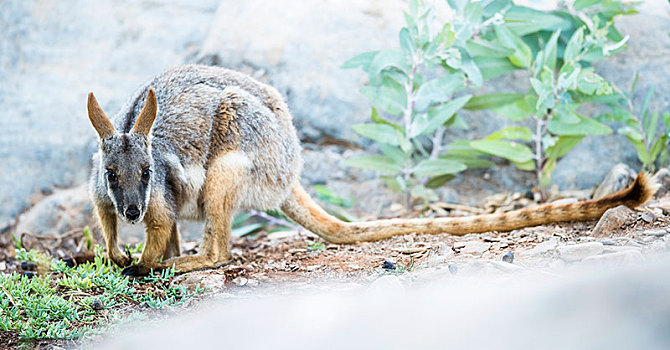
(147, 116)
(98, 118)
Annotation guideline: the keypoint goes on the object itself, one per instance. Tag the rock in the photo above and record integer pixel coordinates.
(253, 283)
(453, 268)
(202, 279)
(658, 233)
(97, 305)
(614, 259)
(46, 49)
(387, 265)
(647, 217)
(472, 247)
(297, 39)
(662, 177)
(542, 248)
(508, 258)
(612, 220)
(620, 177)
(580, 251)
(240, 281)
(58, 213)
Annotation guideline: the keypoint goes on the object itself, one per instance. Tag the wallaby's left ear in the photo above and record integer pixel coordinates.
(147, 116)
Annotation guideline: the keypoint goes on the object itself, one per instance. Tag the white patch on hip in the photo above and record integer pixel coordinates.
(193, 178)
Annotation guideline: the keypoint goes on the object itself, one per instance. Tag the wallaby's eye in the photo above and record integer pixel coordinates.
(111, 176)
(146, 174)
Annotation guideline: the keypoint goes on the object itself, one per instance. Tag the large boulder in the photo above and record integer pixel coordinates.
(52, 53)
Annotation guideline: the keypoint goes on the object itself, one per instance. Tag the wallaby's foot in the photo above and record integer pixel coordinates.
(141, 270)
(121, 259)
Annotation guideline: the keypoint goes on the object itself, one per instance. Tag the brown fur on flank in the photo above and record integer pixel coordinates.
(201, 142)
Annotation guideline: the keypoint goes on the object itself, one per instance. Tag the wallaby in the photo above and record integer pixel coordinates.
(208, 141)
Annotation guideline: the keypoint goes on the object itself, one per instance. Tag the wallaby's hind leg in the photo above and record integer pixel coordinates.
(222, 190)
(173, 248)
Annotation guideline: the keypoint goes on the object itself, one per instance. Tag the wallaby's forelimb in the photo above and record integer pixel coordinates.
(108, 224)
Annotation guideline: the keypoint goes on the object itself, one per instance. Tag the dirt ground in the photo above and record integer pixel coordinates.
(286, 261)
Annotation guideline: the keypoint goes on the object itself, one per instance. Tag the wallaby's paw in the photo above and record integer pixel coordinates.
(140, 270)
(122, 260)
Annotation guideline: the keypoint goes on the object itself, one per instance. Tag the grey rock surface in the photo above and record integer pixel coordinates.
(53, 53)
(580, 251)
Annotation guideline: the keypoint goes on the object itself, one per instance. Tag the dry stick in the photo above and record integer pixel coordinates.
(57, 238)
(8, 295)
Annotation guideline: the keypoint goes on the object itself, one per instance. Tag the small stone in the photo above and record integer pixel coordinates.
(3, 266)
(633, 244)
(657, 233)
(542, 248)
(387, 265)
(240, 281)
(29, 274)
(396, 207)
(648, 217)
(508, 258)
(474, 247)
(253, 283)
(97, 305)
(312, 268)
(28, 266)
(612, 220)
(580, 251)
(453, 268)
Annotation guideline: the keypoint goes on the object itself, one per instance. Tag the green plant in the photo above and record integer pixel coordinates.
(418, 89)
(641, 127)
(561, 80)
(414, 87)
(65, 302)
(338, 204)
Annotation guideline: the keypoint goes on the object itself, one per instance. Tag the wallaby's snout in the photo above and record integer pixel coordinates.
(125, 163)
(132, 212)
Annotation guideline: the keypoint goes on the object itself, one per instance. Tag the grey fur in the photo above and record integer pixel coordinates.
(180, 146)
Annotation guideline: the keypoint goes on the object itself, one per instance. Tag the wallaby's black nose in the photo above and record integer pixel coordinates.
(133, 212)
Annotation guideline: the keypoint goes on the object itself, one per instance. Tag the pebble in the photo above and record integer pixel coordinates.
(453, 268)
(648, 217)
(29, 274)
(253, 283)
(474, 247)
(657, 233)
(611, 221)
(508, 258)
(580, 251)
(387, 265)
(241, 281)
(97, 305)
(28, 266)
(542, 248)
